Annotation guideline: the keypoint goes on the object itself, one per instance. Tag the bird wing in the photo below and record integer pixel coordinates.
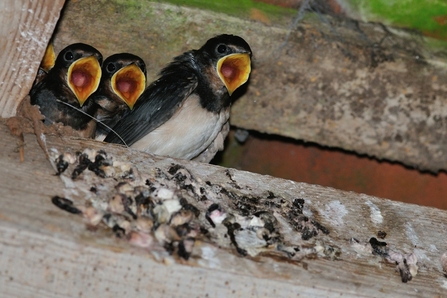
(157, 104)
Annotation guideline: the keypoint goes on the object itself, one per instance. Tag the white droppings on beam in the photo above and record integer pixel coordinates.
(416, 242)
(411, 234)
(443, 282)
(209, 257)
(376, 215)
(334, 213)
(307, 211)
(433, 248)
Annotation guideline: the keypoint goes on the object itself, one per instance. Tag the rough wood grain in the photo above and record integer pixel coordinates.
(25, 31)
(46, 252)
(340, 83)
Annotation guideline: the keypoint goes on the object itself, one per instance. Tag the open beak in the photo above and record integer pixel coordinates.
(128, 83)
(83, 77)
(49, 58)
(234, 70)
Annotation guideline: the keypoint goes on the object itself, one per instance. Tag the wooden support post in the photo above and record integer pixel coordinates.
(24, 34)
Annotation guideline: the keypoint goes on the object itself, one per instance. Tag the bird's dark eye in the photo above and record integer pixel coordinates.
(222, 48)
(111, 67)
(68, 56)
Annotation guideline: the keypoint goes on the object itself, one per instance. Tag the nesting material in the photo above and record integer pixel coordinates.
(175, 215)
(168, 210)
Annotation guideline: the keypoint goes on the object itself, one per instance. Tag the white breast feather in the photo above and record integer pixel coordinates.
(190, 131)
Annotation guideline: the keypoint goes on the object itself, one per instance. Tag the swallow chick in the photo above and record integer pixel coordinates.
(123, 80)
(185, 113)
(62, 94)
(46, 64)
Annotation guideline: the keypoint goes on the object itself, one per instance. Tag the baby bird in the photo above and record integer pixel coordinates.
(185, 113)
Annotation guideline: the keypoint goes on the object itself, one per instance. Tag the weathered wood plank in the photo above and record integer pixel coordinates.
(25, 31)
(339, 83)
(45, 252)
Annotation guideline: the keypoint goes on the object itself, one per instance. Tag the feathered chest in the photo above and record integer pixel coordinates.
(187, 133)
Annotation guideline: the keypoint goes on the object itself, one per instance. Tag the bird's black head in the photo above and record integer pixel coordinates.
(123, 80)
(224, 45)
(74, 52)
(79, 67)
(116, 62)
(226, 59)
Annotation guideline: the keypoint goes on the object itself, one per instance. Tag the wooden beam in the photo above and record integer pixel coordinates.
(24, 34)
(48, 252)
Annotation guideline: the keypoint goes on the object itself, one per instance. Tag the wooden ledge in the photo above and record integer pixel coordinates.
(46, 251)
